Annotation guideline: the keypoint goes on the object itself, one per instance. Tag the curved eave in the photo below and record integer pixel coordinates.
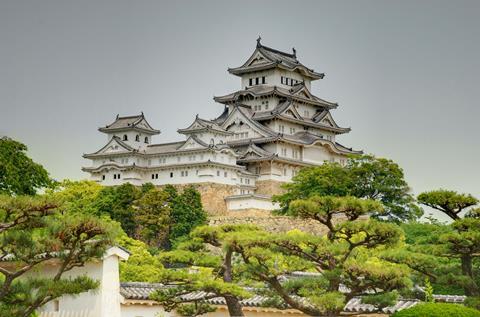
(239, 71)
(232, 98)
(275, 158)
(334, 147)
(194, 131)
(97, 155)
(337, 130)
(160, 167)
(123, 129)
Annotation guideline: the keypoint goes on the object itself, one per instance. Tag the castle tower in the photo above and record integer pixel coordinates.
(269, 129)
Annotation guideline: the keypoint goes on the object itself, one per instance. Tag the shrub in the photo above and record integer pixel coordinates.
(438, 310)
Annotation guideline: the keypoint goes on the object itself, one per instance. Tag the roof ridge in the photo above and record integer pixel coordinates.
(168, 143)
(130, 117)
(273, 50)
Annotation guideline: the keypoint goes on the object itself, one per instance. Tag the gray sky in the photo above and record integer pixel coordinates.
(405, 73)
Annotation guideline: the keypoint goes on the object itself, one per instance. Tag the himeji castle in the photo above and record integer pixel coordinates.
(268, 130)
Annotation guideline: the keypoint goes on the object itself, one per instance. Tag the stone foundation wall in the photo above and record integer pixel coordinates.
(271, 223)
(213, 196)
(269, 187)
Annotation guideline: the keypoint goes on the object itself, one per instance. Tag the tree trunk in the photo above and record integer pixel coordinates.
(233, 304)
(471, 289)
(308, 310)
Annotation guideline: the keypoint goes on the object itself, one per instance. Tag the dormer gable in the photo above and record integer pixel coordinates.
(192, 143)
(238, 117)
(115, 145)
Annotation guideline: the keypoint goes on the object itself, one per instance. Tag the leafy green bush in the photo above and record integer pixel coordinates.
(473, 302)
(438, 310)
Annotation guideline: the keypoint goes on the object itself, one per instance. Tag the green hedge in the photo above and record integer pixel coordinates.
(438, 310)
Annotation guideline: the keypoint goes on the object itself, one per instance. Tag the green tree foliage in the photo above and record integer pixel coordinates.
(363, 177)
(117, 202)
(19, 174)
(187, 212)
(33, 231)
(438, 310)
(204, 263)
(77, 196)
(449, 202)
(141, 266)
(153, 219)
(463, 241)
(348, 255)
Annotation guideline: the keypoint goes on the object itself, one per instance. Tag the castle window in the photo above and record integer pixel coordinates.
(114, 176)
(257, 170)
(263, 79)
(225, 174)
(125, 137)
(282, 79)
(256, 81)
(250, 82)
(153, 176)
(103, 177)
(137, 138)
(171, 174)
(146, 140)
(156, 176)
(218, 173)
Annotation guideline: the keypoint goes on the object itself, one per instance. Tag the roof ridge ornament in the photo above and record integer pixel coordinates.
(294, 52)
(258, 42)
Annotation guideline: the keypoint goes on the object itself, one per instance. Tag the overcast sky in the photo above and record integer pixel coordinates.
(405, 73)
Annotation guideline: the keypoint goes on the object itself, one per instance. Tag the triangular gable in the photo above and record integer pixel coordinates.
(254, 151)
(192, 143)
(257, 58)
(328, 120)
(237, 116)
(197, 124)
(114, 146)
(290, 110)
(143, 124)
(304, 93)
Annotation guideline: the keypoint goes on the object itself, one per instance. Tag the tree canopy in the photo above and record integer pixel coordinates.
(19, 174)
(362, 177)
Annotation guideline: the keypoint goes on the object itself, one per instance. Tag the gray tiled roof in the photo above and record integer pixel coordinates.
(275, 58)
(142, 291)
(129, 122)
(264, 90)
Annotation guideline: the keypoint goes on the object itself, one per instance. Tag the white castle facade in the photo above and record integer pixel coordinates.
(269, 129)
